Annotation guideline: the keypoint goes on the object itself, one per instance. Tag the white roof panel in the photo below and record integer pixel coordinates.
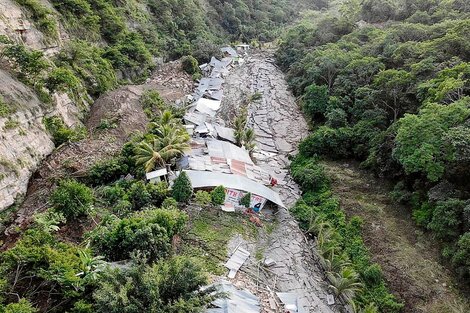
(200, 179)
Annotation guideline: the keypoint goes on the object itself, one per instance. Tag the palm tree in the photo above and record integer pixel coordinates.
(165, 118)
(239, 133)
(169, 142)
(249, 139)
(344, 284)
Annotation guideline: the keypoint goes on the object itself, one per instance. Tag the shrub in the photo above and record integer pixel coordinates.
(62, 79)
(203, 198)
(49, 266)
(61, 133)
(182, 189)
(139, 195)
(5, 109)
(87, 62)
(158, 192)
(43, 17)
(461, 257)
(170, 203)
(246, 200)
(218, 195)
(315, 100)
(72, 198)
(29, 63)
(190, 65)
(22, 306)
(152, 103)
(172, 285)
(147, 233)
(107, 171)
(309, 174)
(335, 143)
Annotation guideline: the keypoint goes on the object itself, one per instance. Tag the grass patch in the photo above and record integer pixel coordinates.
(209, 235)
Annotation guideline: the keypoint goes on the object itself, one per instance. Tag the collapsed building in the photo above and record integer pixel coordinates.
(215, 159)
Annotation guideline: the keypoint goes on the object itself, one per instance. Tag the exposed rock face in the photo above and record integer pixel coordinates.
(24, 141)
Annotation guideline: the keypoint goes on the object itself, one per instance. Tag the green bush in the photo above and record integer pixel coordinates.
(50, 267)
(309, 174)
(87, 62)
(22, 306)
(28, 63)
(218, 195)
(62, 80)
(42, 16)
(5, 109)
(169, 203)
(107, 171)
(461, 257)
(203, 198)
(71, 198)
(315, 101)
(190, 65)
(61, 133)
(246, 200)
(172, 285)
(148, 233)
(335, 143)
(182, 189)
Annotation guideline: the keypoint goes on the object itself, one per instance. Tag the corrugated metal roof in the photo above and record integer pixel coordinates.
(237, 301)
(228, 151)
(225, 133)
(203, 179)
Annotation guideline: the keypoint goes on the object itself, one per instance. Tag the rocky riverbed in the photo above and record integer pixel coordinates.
(279, 126)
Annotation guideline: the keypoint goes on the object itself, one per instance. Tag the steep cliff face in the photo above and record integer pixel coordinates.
(24, 140)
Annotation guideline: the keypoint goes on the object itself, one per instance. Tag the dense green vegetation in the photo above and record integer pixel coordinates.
(392, 91)
(353, 276)
(66, 260)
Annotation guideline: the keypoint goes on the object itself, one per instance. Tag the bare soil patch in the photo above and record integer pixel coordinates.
(410, 258)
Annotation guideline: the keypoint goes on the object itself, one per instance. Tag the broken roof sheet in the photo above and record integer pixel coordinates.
(237, 301)
(211, 104)
(226, 150)
(203, 108)
(236, 261)
(157, 173)
(195, 118)
(290, 301)
(230, 51)
(204, 179)
(225, 133)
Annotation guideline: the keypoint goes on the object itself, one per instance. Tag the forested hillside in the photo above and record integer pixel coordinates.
(388, 83)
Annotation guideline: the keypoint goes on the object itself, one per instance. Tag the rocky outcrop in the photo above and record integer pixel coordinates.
(24, 141)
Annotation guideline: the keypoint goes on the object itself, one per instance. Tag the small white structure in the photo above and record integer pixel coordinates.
(156, 176)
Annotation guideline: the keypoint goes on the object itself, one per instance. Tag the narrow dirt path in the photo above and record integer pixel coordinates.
(408, 257)
(279, 126)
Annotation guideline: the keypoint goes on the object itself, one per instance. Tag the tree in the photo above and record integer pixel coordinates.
(182, 189)
(420, 141)
(345, 284)
(249, 140)
(246, 200)
(190, 64)
(148, 233)
(169, 142)
(315, 100)
(72, 198)
(169, 286)
(218, 195)
(394, 85)
(22, 306)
